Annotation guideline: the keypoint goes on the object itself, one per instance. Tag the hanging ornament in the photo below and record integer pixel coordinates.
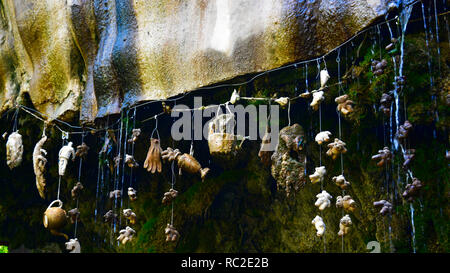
(391, 46)
(117, 160)
(283, 101)
(73, 246)
(323, 137)
(318, 175)
(378, 67)
(318, 97)
(153, 160)
(265, 152)
(323, 200)
(169, 196)
(166, 108)
(386, 101)
(55, 218)
(172, 234)
(324, 77)
(115, 194)
(74, 214)
(386, 207)
(126, 235)
(134, 135)
(412, 190)
(345, 106)
(39, 162)
(234, 97)
(76, 190)
(344, 225)
(185, 162)
(404, 130)
(319, 225)
(384, 156)
(408, 156)
(336, 148)
(132, 194)
(346, 202)
(341, 182)
(130, 215)
(65, 153)
(82, 150)
(131, 162)
(14, 150)
(110, 216)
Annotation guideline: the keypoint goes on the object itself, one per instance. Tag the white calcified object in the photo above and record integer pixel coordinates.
(64, 155)
(323, 200)
(322, 137)
(132, 194)
(346, 202)
(130, 215)
(283, 101)
(73, 245)
(341, 182)
(324, 77)
(320, 225)
(39, 162)
(14, 150)
(317, 99)
(126, 235)
(318, 174)
(234, 97)
(344, 225)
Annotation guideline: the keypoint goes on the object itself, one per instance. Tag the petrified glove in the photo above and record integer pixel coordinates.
(153, 161)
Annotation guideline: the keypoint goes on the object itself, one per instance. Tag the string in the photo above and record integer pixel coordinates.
(79, 180)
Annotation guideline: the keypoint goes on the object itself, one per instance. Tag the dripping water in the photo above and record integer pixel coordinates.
(413, 231)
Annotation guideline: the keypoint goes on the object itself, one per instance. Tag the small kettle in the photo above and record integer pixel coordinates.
(55, 218)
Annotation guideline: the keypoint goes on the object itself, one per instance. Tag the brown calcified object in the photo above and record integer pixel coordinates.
(265, 152)
(39, 162)
(404, 130)
(172, 234)
(345, 106)
(82, 150)
(386, 207)
(344, 225)
(346, 202)
(153, 160)
(386, 101)
(110, 216)
(306, 94)
(132, 194)
(116, 194)
(117, 160)
(131, 162)
(169, 196)
(384, 156)
(336, 148)
(391, 46)
(134, 135)
(186, 162)
(130, 215)
(412, 190)
(76, 190)
(74, 214)
(378, 67)
(341, 182)
(55, 218)
(126, 235)
(408, 156)
(166, 108)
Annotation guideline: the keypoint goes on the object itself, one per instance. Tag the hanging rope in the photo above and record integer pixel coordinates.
(79, 180)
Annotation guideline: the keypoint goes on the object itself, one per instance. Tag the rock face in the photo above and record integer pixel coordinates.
(96, 56)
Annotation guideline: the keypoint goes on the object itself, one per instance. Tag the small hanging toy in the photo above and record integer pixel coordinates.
(324, 77)
(319, 225)
(223, 144)
(169, 196)
(65, 153)
(234, 97)
(14, 150)
(130, 215)
(386, 207)
(166, 108)
(336, 148)
(132, 194)
(344, 225)
(384, 156)
(134, 135)
(346, 202)
(391, 46)
(131, 162)
(73, 245)
(412, 190)
(126, 235)
(153, 161)
(386, 101)
(74, 215)
(404, 130)
(345, 106)
(76, 190)
(172, 234)
(341, 182)
(323, 200)
(110, 216)
(318, 97)
(185, 162)
(116, 194)
(55, 218)
(378, 67)
(82, 150)
(323, 137)
(283, 101)
(408, 156)
(318, 175)
(39, 162)
(265, 153)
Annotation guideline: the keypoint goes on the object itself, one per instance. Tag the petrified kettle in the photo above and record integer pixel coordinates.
(55, 218)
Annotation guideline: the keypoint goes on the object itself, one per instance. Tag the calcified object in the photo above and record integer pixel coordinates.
(153, 160)
(126, 235)
(318, 175)
(234, 97)
(185, 162)
(39, 162)
(408, 156)
(384, 156)
(169, 196)
(172, 234)
(323, 200)
(345, 106)
(306, 94)
(319, 225)
(166, 108)
(55, 218)
(346, 202)
(117, 160)
(404, 130)
(73, 246)
(65, 153)
(116, 194)
(288, 160)
(130, 215)
(378, 67)
(131, 162)
(391, 46)
(336, 148)
(82, 150)
(344, 225)
(110, 216)
(110, 139)
(324, 77)
(134, 135)
(318, 97)
(386, 207)
(132, 194)
(412, 190)
(386, 101)
(14, 150)
(76, 190)
(283, 101)
(4, 135)
(341, 182)
(264, 152)
(322, 137)
(74, 214)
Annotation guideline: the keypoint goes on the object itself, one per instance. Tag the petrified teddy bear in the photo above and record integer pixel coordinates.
(386, 207)
(384, 156)
(336, 148)
(110, 216)
(130, 215)
(346, 202)
(341, 182)
(116, 194)
(169, 196)
(318, 97)
(132, 194)
(412, 190)
(323, 200)
(386, 101)
(323, 137)
(131, 162)
(82, 150)
(404, 130)
(344, 225)
(324, 77)
(76, 190)
(408, 156)
(318, 175)
(126, 235)
(171, 233)
(73, 215)
(345, 106)
(134, 135)
(319, 225)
